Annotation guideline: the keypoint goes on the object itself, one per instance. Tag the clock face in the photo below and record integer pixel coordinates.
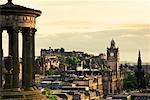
(111, 54)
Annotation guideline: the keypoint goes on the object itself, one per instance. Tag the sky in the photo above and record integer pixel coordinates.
(89, 26)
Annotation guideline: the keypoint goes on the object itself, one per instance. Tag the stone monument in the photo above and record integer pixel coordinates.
(17, 19)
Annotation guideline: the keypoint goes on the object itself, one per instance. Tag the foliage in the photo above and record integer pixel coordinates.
(86, 64)
(62, 60)
(48, 94)
(130, 82)
(52, 72)
(147, 79)
(72, 62)
(86, 67)
(63, 75)
(104, 62)
(86, 55)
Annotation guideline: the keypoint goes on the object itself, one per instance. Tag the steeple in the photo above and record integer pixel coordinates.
(139, 55)
(139, 72)
(112, 43)
(139, 64)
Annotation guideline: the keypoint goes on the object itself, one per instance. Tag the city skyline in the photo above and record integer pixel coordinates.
(90, 25)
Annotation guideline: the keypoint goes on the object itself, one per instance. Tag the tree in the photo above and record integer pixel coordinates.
(62, 50)
(86, 65)
(49, 72)
(48, 94)
(62, 60)
(130, 83)
(72, 62)
(52, 72)
(147, 79)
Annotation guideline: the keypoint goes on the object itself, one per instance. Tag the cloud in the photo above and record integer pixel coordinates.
(89, 26)
(87, 36)
(136, 26)
(128, 35)
(147, 35)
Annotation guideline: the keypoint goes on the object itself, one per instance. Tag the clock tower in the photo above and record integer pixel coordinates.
(113, 57)
(113, 63)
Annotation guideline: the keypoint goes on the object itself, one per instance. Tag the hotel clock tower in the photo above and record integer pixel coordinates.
(113, 58)
(113, 63)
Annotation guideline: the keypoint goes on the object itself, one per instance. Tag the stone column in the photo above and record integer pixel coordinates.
(8, 73)
(1, 55)
(33, 54)
(24, 63)
(13, 51)
(27, 58)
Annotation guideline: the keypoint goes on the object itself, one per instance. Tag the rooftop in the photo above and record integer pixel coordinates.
(11, 8)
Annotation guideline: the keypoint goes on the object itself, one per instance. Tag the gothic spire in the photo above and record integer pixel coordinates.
(112, 43)
(139, 54)
(139, 66)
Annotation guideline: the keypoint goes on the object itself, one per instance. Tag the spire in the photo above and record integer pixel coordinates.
(139, 54)
(139, 57)
(112, 43)
(139, 66)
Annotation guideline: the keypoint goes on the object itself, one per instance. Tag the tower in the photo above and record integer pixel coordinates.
(113, 57)
(113, 64)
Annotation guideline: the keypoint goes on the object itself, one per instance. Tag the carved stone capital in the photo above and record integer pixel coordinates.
(33, 30)
(25, 30)
(28, 31)
(13, 30)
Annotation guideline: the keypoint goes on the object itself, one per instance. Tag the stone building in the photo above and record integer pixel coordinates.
(105, 80)
(51, 62)
(82, 89)
(60, 51)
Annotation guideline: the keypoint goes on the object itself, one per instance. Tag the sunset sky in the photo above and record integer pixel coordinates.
(89, 26)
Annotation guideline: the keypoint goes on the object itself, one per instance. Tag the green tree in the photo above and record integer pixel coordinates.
(49, 72)
(52, 72)
(147, 79)
(130, 83)
(86, 65)
(63, 62)
(72, 62)
(48, 94)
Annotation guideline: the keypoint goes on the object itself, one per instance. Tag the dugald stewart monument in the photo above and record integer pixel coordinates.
(17, 19)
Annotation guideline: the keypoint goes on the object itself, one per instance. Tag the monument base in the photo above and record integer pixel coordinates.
(21, 95)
